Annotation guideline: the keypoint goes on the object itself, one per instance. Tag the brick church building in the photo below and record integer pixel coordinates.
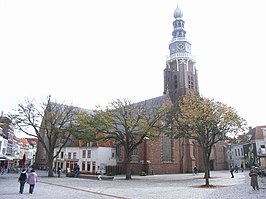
(166, 155)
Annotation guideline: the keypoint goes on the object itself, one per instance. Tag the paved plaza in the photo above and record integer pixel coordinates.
(140, 187)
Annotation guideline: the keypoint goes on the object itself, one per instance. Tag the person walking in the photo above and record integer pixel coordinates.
(236, 168)
(254, 178)
(32, 180)
(242, 167)
(22, 180)
(232, 171)
(59, 172)
(77, 171)
(195, 170)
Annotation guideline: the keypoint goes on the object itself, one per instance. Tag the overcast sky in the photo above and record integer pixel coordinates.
(88, 53)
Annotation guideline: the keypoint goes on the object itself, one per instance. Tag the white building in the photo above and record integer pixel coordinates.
(3, 145)
(235, 154)
(91, 158)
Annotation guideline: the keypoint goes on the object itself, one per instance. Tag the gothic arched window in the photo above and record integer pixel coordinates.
(166, 148)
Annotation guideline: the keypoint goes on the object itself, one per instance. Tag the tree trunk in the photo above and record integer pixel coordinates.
(128, 169)
(207, 171)
(50, 165)
(205, 157)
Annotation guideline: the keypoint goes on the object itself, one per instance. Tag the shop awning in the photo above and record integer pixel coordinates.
(6, 158)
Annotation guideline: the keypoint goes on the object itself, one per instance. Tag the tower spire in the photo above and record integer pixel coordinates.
(180, 74)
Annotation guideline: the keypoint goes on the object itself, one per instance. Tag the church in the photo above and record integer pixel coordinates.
(166, 155)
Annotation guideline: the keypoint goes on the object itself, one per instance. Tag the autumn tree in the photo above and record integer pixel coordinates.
(206, 121)
(50, 122)
(126, 124)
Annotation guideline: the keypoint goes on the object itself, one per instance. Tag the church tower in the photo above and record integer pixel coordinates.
(180, 74)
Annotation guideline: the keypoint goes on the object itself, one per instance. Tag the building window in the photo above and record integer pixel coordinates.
(88, 166)
(69, 156)
(117, 150)
(89, 144)
(113, 154)
(83, 166)
(74, 155)
(167, 149)
(62, 155)
(238, 152)
(235, 153)
(134, 152)
(89, 154)
(242, 152)
(83, 153)
(93, 167)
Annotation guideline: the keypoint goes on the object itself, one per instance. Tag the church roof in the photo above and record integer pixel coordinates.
(257, 132)
(160, 100)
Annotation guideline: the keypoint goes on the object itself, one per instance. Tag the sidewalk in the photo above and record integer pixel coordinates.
(149, 187)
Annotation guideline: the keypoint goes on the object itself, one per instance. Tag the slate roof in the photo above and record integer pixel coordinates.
(256, 133)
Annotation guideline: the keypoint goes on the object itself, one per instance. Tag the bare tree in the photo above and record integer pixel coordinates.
(125, 124)
(50, 122)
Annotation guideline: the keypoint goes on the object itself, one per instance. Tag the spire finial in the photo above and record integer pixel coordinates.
(178, 13)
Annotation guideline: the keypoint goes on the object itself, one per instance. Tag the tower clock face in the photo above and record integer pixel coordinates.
(181, 47)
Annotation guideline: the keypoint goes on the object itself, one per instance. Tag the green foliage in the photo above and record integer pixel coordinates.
(70, 174)
(124, 123)
(110, 174)
(205, 120)
(142, 173)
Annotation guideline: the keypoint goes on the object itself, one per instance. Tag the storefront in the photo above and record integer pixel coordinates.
(6, 164)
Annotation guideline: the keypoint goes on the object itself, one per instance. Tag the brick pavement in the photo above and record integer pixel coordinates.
(150, 187)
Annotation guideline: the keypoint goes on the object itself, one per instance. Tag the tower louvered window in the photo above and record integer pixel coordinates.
(175, 81)
(190, 82)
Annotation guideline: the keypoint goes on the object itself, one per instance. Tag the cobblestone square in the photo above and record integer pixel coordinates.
(169, 186)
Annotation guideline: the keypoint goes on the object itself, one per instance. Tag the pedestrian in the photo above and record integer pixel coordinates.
(58, 172)
(77, 171)
(242, 167)
(236, 168)
(4, 171)
(99, 177)
(32, 180)
(22, 180)
(75, 168)
(232, 171)
(254, 178)
(195, 170)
